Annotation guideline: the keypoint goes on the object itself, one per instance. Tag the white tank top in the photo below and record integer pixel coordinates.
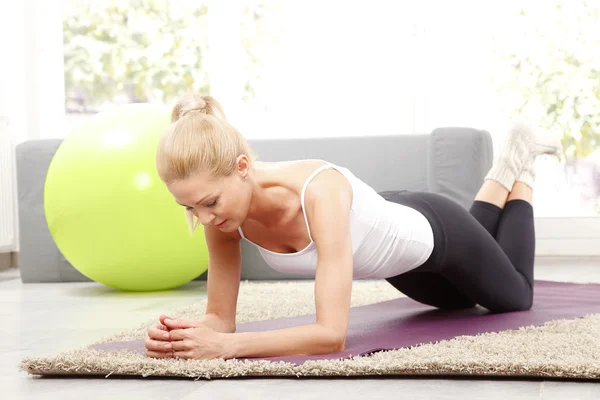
(388, 239)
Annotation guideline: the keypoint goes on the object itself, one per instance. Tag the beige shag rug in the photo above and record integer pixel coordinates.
(565, 349)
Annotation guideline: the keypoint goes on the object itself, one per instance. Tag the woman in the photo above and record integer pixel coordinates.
(427, 246)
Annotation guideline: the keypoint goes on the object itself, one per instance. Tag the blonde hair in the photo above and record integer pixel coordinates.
(199, 139)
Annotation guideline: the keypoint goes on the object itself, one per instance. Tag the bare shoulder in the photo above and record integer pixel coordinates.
(328, 202)
(329, 185)
(295, 174)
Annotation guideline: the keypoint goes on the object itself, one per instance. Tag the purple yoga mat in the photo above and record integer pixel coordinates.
(404, 322)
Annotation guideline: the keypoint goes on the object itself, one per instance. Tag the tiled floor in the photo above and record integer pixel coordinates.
(43, 319)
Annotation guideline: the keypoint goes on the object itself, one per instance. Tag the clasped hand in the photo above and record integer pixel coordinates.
(185, 339)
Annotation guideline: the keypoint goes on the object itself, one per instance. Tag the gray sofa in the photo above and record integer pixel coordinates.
(448, 161)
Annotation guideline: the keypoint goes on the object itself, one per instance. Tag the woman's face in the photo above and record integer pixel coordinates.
(222, 202)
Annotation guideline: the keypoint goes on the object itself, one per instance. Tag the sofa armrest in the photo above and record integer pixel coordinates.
(40, 260)
(458, 160)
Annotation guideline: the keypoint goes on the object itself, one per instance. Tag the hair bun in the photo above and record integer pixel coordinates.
(194, 103)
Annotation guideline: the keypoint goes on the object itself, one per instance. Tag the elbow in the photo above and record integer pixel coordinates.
(332, 340)
(337, 342)
(340, 345)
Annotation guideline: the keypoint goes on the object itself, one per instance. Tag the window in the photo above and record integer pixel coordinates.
(276, 74)
(330, 68)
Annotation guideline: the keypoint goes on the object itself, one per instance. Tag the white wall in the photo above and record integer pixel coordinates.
(31, 87)
(32, 82)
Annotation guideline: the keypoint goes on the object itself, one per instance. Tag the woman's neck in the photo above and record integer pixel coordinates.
(272, 200)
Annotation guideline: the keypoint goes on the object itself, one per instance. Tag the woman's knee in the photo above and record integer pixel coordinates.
(526, 300)
(522, 303)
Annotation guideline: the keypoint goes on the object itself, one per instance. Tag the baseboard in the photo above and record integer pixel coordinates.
(5, 261)
(541, 260)
(9, 260)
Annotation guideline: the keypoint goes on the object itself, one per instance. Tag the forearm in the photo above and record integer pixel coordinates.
(301, 340)
(218, 324)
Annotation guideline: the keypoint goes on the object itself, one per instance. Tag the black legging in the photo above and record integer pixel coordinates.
(482, 256)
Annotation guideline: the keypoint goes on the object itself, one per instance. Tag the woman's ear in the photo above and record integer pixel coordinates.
(243, 166)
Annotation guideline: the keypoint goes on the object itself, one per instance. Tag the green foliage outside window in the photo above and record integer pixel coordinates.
(150, 50)
(555, 78)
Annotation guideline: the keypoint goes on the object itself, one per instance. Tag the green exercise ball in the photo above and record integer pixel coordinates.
(108, 211)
